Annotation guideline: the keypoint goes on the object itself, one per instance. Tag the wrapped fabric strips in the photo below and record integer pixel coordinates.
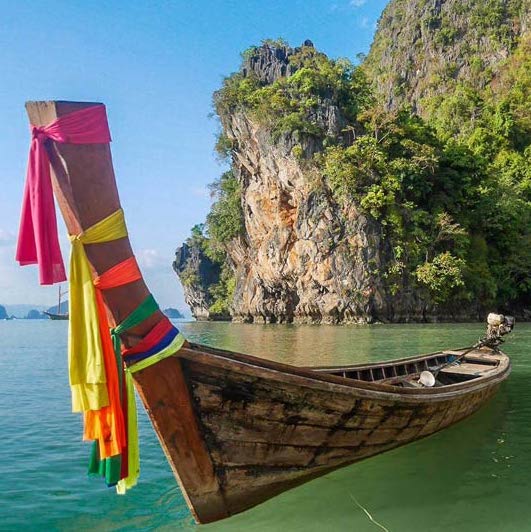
(100, 369)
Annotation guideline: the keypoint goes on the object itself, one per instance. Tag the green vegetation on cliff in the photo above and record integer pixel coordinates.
(224, 223)
(290, 104)
(451, 192)
(424, 48)
(449, 184)
(225, 219)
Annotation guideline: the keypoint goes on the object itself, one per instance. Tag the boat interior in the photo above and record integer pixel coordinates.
(448, 367)
(443, 368)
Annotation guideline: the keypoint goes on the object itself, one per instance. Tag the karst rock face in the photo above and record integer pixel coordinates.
(422, 48)
(302, 258)
(197, 273)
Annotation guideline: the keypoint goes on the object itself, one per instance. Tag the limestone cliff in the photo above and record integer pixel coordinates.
(299, 260)
(301, 256)
(424, 47)
(339, 209)
(197, 273)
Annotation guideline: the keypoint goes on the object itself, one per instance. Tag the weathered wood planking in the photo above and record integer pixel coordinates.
(267, 429)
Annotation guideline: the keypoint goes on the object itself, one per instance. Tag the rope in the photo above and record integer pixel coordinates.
(371, 518)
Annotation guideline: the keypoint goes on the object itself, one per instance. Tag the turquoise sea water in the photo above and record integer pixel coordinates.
(475, 476)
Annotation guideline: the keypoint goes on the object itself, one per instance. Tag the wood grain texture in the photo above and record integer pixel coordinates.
(165, 394)
(267, 427)
(85, 187)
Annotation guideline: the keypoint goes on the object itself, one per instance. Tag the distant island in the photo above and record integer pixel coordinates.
(35, 315)
(173, 313)
(25, 311)
(22, 311)
(392, 191)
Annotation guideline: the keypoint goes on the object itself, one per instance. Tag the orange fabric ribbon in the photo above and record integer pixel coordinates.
(107, 425)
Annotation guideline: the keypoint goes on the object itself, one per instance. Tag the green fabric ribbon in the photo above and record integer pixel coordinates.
(133, 452)
(110, 468)
(148, 307)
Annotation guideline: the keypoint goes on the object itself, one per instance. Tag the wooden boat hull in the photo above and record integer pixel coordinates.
(56, 316)
(239, 430)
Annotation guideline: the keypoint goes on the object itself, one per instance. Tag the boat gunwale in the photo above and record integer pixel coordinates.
(254, 365)
(390, 362)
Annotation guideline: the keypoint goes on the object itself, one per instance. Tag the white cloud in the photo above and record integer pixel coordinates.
(165, 286)
(160, 278)
(357, 3)
(6, 238)
(365, 23)
(21, 284)
(151, 259)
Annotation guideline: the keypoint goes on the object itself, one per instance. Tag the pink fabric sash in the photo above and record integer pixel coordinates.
(38, 242)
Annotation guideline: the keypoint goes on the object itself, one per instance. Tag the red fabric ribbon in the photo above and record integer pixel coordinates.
(152, 338)
(38, 242)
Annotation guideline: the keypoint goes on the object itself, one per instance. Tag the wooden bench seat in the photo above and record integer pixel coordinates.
(467, 368)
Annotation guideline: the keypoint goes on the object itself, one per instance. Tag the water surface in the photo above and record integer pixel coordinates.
(473, 476)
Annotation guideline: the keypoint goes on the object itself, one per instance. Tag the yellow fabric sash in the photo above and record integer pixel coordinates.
(85, 354)
(133, 454)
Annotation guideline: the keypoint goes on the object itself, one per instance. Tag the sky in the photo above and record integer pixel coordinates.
(155, 65)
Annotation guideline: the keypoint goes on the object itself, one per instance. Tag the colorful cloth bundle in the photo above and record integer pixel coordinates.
(100, 369)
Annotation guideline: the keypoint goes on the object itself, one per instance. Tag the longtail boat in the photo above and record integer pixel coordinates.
(237, 429)
(58, 316)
